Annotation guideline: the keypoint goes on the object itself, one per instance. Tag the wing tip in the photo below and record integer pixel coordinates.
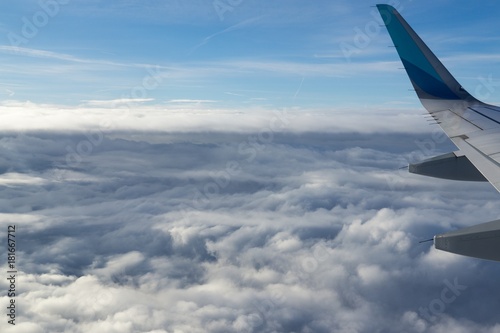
(428, 75)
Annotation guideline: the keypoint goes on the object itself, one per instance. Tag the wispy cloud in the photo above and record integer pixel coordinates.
(23, 51)
(234, 27)
(36, 53)
(117, 102)
(191, 101)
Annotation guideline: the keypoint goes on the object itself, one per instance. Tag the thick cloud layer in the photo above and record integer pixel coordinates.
(266, 231)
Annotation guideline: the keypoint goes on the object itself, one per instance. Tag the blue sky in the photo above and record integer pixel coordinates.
(288, 53)
(174, 167)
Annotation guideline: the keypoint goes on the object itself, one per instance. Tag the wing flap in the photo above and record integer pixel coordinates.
(486, 142)
(487, 165)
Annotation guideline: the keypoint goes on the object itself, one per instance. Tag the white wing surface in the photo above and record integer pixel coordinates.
(473, 126)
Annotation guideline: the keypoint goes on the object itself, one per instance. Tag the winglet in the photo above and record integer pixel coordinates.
(428, 75)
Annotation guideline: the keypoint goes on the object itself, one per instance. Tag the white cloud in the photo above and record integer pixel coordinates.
(194, 115)
(191, 101)
(190, 225)
(116, 102)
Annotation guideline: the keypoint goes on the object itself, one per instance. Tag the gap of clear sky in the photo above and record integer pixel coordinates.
(235, 53)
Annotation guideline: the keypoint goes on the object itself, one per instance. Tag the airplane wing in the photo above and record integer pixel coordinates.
(473, 126)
